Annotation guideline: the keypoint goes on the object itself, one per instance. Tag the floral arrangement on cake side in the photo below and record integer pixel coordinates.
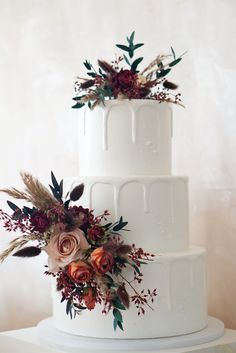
(86, 254)
(122, 79)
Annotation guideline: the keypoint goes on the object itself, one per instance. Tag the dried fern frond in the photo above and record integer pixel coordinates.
(106, 67)
(14, 244)
(155, 62)
(17, 194)
(38, 194)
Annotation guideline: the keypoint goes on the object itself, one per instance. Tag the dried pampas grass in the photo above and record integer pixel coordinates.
(35, 192)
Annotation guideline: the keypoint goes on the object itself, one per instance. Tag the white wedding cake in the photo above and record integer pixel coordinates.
(125, 165)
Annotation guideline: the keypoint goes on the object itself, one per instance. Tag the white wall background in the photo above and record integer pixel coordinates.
(42, 46)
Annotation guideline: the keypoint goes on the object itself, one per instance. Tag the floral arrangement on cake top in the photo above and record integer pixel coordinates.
(122, 79)
(86, 254)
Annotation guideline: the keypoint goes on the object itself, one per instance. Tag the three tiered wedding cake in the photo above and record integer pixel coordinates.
(125, 164)
(125, 160)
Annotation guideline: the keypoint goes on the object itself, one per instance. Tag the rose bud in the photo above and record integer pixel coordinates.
(86, 84)
(96, 232)
(169, 85)
(102, 260)
(90, 299)
(77, 192)
(123, 296)
(80, 272)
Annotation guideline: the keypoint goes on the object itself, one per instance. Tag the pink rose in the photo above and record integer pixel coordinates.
(64, 248)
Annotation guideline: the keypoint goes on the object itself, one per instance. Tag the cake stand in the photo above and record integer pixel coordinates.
(73, 343)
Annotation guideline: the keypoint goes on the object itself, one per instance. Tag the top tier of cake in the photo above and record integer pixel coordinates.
(126, 137)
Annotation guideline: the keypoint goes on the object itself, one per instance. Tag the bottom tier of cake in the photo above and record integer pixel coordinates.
(179, 308)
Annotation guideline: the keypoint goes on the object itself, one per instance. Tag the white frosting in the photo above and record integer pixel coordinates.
(126, 138)
(156, 208)
(179, 308)
(125, 151)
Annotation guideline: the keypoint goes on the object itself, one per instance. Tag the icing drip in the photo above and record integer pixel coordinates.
(134, 124)
(116, 193)
(191, 274)
(205, 281)
(105, 114)
(168, 287)
(145, 198)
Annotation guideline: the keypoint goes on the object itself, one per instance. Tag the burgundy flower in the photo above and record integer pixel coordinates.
(39, 221)
(96, 232)
(123, 81)
(83, 216)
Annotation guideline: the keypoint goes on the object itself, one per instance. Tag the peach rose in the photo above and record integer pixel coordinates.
(64, 248)
(102, 260)
(89, 299)
(80, 272)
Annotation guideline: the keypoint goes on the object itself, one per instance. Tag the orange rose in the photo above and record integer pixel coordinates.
(80, 272)
(90, 299)
(102, 260)
(64, 248)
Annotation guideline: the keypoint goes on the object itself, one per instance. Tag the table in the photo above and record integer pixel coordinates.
(27, 341)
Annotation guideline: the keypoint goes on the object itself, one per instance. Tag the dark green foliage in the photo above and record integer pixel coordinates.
(56, 188)
(162, 73)
(120, 225)
(12, 206)
(117, 320)
(175, 62)
(131, 48)
(135, 64)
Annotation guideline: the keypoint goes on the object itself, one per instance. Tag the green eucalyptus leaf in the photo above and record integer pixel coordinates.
(92, 74)
(175, 62)
(115, 324)
(117, 304)
(162, 73)
(173, 53)
(87, 65)
(117, 314)
(54, 181)
(131, 53)
(27, 210)
(68, 307)
(61, 188)
(123, 47)
(77, 98)
(119, 324)
(131, 38)
(135, 64)
(127, 60)
(13, 206)
(137, 270)
(120, 225)
(136, 46)
(78, 105)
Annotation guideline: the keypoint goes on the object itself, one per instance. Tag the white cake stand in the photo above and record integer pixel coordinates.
(73, 343)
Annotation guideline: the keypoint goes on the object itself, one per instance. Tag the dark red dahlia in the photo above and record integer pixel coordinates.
(96, 232)
(123, 81)
(83, 216)
(39, 221)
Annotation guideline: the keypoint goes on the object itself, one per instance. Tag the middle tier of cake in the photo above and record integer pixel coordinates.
(156, 208)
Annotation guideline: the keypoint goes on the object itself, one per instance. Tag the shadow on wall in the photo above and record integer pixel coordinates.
(219, 216)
